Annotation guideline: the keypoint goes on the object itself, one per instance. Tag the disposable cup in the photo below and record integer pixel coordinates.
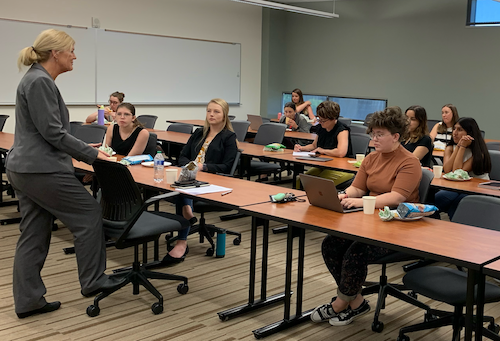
(369, 204)
(112, 158)
(171, 175)
(438, 171)
(360, 157)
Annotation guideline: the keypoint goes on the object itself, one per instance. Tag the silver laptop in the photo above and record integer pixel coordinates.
(255, 121)
(321, 192)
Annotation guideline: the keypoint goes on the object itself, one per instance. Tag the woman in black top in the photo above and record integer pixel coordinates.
(333, 140)
(214, 149)
(418, 140)
(127, 136)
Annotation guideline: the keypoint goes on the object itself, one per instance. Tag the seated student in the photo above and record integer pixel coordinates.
(214, 149)
(442, 130)
(392, 174)
(418, 141)
(294, 121)
(302, 107)
(127, 137)
(109, 112)
(466, 151)
(332, 140)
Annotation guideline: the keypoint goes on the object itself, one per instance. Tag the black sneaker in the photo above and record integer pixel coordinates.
(324, 312)
(348, 315)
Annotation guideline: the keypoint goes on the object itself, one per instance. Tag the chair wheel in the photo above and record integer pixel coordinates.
(429, 317)
(403, 338)
(210, 252)
(378, 326)
(93, 310)
(413, 294)
(237, 241)
(157, 308)
(182, 288)
(495, 328)
(223, 318)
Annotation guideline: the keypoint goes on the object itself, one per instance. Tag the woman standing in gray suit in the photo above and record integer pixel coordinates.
(40, 169)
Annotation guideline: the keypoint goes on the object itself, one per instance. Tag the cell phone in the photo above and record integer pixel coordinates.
(491, 185)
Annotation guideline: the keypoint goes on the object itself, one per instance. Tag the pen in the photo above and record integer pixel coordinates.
(226, 192)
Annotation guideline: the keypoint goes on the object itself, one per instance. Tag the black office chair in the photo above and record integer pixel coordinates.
(367, 119)
(360, 143)
(450, 285)
(495, 165)
(151, 145)
(346, 121)
(91, 133)
(267, 133)
(173, 150)
(357, 129)
(126, 220)
(147, 120)
(383, 288)
(231, 117)
(432, 123)
(181, 128)
(207, 231)
(240, 129)
(493, 145)
(74, 125)
(5, 184)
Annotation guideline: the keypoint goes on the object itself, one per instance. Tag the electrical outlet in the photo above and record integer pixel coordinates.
(96, 23)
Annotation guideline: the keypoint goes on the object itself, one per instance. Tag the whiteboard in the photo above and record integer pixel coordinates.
(76, 87)
(163, 70)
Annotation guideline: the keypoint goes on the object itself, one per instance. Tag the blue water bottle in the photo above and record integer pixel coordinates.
(100, 115)
(220, 247)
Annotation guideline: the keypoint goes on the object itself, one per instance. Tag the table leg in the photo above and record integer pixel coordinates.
(264, 300)
(469, 315)
(481, 279)
(300, 316)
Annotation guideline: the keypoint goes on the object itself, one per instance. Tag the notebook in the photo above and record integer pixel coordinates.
(314, 158)
(321, 192)
(255, 121)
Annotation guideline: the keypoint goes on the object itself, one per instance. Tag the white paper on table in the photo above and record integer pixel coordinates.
(204, 190)
(302, 154)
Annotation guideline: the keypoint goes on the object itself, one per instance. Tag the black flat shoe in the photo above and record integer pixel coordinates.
(111, 282)
(52, 306)
(262, 179)
(169, 260)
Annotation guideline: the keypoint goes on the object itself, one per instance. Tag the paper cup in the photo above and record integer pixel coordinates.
(112, 158)
(171, 175)
(360, 157)
(438, 171)
(369, 204)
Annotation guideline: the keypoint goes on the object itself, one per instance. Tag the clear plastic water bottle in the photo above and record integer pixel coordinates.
(158, 167)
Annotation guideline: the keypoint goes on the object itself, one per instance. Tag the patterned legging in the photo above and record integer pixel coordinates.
(348, 262)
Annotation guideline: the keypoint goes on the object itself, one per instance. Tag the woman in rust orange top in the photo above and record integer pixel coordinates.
(392, 174)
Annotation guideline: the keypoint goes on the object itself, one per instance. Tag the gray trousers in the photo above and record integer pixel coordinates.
(42, 196)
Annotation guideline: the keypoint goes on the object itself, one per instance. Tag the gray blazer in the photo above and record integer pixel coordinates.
(302, 125)
(42, 142)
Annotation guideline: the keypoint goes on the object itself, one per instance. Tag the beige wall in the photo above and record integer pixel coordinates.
(220, 20)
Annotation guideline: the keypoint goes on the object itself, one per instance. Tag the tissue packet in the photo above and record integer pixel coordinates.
(409, 210)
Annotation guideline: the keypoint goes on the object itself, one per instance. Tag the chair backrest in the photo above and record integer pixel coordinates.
(425, 184)
(151, 145)
(235, 163)
(358, 129)
(346, 121)
(483, 133)
(148, 120)
(231, 117)
(493, 145)
(359, 143)
(91, 133)
(495, 164)
(73, 126)
(240, 129)
(266, 120)
(432, 123)
(270, 133)
(181, 128)
(480, 211)
(3, 118)
(367, 119)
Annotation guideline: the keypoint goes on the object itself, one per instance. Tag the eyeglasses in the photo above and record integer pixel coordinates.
(322, 120)
(378, 136)
(123, 114)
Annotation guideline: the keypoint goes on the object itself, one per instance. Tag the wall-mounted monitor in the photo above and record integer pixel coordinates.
(315, 100)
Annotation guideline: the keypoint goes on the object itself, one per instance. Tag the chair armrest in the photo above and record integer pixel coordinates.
(156, 198)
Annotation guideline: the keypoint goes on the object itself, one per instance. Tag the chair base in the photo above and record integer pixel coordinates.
(139, 276)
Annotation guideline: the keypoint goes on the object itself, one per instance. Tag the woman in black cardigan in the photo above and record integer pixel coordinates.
(214, 149)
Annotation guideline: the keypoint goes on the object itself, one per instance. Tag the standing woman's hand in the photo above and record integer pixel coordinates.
(102, 155)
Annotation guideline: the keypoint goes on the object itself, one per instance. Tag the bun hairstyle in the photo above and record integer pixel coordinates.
(41, 49)
(119, 95)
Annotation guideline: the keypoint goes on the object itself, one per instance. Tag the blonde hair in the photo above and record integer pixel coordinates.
(225, 111)
(41, 49)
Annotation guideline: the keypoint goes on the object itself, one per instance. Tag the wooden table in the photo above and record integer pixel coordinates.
(467, 187)
(463, 245)
(196, 123)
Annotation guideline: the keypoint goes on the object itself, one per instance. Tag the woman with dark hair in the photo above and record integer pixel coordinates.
(128, 136)
(418, 141)
(302, 107)
(391, 174)
(332, 139)
(293, 120)
(442, 130)
(109, 112)
(214, 149)
(466, 151)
